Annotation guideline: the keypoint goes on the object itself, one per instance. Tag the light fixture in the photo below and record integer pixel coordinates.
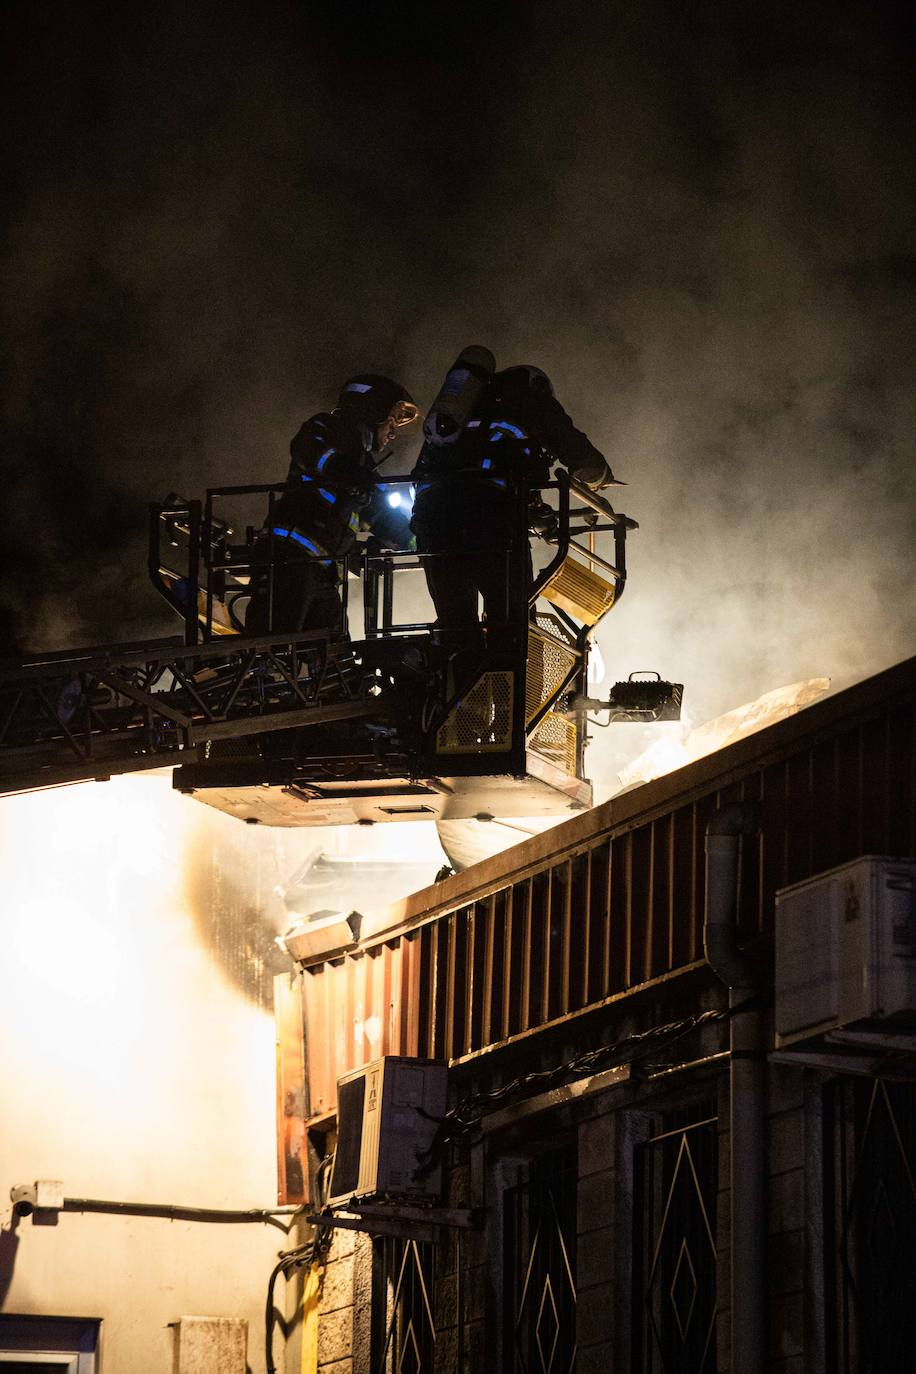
(325, 932)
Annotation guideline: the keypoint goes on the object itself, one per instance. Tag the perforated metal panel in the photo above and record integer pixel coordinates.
(552, 625)
(582, 593)
(481, 723)
(555, 739)
(549, 664)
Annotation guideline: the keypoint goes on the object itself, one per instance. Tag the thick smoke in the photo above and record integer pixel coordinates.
(697, 219)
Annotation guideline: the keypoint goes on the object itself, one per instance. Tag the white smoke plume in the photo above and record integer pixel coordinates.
(697, 220)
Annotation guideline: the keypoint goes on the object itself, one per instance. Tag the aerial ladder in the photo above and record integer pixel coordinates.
(328, 728)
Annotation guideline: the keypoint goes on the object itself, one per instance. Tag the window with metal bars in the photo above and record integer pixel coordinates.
(870, 1226)
(403, 1306)
(674, 1245)
(539, 1335)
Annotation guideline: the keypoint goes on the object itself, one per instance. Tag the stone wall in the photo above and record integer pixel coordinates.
(608, 1129)
(335, 1306)
(787, 1149)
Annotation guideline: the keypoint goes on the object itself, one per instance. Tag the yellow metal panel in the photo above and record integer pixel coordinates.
(220, 623)
(309, 1364)
(555, 739)
(292, 1136)
(580, 591)
(481, 722)
(549, 662)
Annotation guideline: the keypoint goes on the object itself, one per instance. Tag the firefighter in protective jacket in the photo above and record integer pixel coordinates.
(467, 479)
(328, 490)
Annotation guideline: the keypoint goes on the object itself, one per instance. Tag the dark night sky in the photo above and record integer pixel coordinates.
(699, 218)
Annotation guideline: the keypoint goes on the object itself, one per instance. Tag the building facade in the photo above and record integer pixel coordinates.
(137, 1067)
(640, 1175)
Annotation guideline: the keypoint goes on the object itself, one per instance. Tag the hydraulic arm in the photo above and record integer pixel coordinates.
(316, 728)
(93, 712)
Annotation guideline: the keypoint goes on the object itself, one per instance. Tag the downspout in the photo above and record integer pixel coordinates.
(747, 1082)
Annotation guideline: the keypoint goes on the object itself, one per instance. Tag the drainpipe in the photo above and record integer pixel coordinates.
(747, 1082)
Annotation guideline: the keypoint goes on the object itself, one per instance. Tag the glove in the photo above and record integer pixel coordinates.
(542, 519)
(605, 480)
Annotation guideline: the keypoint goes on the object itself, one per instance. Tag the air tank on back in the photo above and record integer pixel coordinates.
(464, 384)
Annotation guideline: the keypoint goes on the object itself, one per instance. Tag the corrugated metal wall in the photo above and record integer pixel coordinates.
(617, 899)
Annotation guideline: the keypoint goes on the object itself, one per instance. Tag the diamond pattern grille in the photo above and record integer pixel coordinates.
(684, 1289)
(675, 1250)
(871, 1278)
(547, 1327)
(404, 1329)
(540, 1335)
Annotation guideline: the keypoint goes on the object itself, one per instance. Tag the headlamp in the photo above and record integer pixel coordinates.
(404, 413)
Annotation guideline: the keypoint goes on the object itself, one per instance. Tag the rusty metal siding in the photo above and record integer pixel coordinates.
(293, 1110)
(606, 911)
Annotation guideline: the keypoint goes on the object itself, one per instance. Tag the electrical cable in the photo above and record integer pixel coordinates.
(304, 1256)
(175, 1212)
(461, 1121)
(646, 1042)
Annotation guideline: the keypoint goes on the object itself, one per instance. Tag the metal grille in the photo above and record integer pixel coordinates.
(555, 739)
(549, 665)
(481, 723)
(870, 1241)
(403, 1303)
(230, 749)
(552, 624)
(540, 1268)
(674, 1311)
(584, 594)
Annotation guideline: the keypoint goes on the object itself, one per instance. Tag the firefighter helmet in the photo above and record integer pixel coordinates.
(370, 399)
(526, 377)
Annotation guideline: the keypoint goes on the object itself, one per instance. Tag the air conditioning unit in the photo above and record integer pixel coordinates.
(846, 948)
(387, 1116)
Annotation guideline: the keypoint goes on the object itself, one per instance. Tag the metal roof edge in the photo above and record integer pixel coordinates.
(713, 772)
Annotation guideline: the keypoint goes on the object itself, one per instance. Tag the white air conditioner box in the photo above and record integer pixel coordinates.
(846, 947)
(387, 1116)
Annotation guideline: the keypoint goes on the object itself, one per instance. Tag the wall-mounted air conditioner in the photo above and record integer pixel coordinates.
(846, 948)
(387, 1116)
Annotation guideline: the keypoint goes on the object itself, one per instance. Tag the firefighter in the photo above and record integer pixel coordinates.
(473, 471)
(328, 490)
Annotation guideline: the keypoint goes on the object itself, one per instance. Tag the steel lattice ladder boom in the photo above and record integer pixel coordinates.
(92, 713)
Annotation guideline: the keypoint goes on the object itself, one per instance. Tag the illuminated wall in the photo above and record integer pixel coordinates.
(137, 1058)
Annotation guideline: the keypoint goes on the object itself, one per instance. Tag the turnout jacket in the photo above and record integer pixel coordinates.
(328, 486)
(515, 434)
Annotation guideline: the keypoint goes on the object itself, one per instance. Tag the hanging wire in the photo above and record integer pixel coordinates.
(461, 1121)
(304, 1256)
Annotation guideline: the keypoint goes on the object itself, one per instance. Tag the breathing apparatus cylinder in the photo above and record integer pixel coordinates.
(464, 384)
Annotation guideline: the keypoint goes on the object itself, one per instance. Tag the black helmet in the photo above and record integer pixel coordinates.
(525, 378)
(370, 399)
